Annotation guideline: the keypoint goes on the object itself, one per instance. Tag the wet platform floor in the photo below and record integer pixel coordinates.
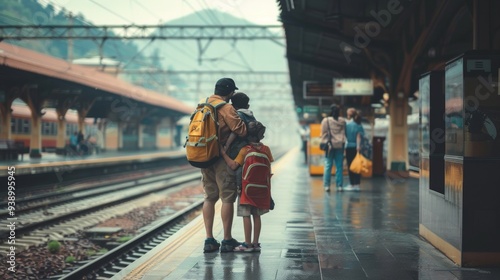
(371, 234)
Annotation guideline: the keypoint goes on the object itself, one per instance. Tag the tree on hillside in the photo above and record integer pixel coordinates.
(31, 12)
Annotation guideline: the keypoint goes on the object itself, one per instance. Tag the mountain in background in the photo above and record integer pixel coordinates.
(249, 55)
(227, 56)
(251, 63)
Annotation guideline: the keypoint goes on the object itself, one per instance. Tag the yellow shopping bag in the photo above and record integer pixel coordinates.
(361, 165)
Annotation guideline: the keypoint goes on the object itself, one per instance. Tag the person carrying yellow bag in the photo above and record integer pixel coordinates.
(354, 132)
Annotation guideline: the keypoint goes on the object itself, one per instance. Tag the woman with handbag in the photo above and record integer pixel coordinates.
(332, 142)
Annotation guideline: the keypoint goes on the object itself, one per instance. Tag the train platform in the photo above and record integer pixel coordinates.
(51, 162)
(313, 234)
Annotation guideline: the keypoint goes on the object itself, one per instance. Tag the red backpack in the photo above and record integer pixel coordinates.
(256, 179)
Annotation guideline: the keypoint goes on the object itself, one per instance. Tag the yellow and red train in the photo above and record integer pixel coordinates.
(21, 126)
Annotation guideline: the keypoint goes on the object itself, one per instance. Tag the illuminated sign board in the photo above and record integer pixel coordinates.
(316, 90)
(352, 87)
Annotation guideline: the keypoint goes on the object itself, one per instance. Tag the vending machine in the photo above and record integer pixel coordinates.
(467, 215)
(472, 108)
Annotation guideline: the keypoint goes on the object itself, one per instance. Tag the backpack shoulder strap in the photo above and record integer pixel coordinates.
(217, 103)
(202, 102)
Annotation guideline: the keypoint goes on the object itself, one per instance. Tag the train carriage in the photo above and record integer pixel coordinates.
(21, 126)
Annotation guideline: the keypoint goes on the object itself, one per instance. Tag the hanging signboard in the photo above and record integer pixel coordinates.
(352, 87)
(316, 90)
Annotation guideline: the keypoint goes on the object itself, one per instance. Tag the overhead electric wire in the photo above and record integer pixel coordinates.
(22, 21)
(202, 19)
(238, 52)
(119, 54)
(28, 22)
(234, 63)
(112, 12)
(211, 18)
(62, 8)
(114, 44)
(197, 14)
(215, 20)
(147, 10)
(239, 11)
(135, 56)
(211, 13)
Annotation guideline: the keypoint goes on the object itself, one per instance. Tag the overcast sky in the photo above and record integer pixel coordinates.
(142, 12)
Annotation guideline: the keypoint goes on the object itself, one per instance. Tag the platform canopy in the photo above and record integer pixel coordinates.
(22, 70)
(391, 42)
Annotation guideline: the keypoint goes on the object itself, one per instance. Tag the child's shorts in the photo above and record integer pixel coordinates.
(248, 210)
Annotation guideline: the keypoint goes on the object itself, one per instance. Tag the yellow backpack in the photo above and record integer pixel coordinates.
(202, 141)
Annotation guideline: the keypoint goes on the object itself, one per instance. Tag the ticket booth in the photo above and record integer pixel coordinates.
(464, 221)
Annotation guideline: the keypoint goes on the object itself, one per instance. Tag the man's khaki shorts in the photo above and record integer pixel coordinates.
(219, 181)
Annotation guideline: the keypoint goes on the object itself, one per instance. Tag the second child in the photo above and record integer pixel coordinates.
(241, 103)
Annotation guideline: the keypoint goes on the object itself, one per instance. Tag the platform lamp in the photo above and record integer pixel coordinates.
(385, 102)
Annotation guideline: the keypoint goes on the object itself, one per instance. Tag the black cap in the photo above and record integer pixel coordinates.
(226, 85)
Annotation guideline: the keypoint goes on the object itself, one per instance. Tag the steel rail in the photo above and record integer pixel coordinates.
(94, 266)
(25, 229)
(100, 188)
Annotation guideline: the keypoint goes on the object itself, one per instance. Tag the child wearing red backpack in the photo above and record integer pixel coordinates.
(255, 194)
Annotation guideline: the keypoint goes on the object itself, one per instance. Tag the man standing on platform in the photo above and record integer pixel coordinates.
(219, 181)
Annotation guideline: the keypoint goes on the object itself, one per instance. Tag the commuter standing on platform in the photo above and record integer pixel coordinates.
(73, 142)
(354, 132)
(333, 131)
(219, 180)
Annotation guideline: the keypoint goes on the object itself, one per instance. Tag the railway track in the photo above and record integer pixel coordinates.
(83, 203)
(106, 266)
(81, 189)
(69, 220)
